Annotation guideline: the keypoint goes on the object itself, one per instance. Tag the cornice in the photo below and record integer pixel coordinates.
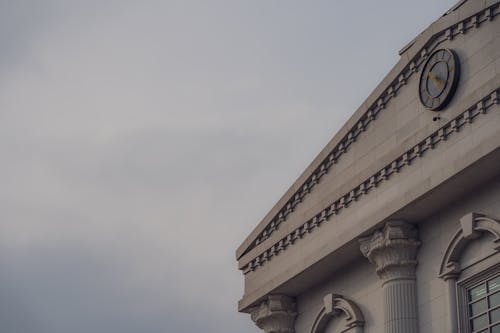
(355, 131)
(405, 160)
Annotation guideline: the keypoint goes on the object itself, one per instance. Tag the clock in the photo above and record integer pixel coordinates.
(439, 79)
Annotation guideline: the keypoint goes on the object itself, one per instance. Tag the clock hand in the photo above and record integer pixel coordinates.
(437, 81)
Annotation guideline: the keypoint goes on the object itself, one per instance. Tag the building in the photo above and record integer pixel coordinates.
(395, 225)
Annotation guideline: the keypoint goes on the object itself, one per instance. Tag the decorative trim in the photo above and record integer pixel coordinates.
(276, 314)
(479, 108)
(393, 250)
(472, 225)
(472, 22)
(336, 306)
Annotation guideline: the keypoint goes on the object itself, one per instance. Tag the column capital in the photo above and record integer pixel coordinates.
(393, 250)
(276, 314)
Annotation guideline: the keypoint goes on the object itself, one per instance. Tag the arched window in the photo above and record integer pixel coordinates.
(474, 286)
(336, 307)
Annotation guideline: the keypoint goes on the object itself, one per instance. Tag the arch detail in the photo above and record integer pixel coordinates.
(472, 226)
(336, 306)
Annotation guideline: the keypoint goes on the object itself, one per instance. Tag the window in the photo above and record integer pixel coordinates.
(483, 306)
(477, 293)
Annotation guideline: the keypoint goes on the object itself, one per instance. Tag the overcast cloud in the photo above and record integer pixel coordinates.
(143, 140)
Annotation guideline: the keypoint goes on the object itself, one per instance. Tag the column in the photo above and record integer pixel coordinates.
(450, 276)
(452, 305)
(276, 314)
(393, 250)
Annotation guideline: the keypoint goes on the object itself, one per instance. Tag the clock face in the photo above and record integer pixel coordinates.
(439, 79)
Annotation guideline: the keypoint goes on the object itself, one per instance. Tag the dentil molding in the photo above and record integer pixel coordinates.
(419, 151)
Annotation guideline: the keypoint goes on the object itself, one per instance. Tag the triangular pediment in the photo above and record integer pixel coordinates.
(390, 131)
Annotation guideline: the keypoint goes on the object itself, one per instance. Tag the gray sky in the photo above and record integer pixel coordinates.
(143, 140)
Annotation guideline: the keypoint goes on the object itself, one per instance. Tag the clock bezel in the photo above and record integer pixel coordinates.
(451, 83)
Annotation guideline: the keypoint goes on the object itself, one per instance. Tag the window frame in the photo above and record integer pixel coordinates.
(471, 277)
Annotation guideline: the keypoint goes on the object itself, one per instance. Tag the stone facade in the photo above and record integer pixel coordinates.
(397, 220)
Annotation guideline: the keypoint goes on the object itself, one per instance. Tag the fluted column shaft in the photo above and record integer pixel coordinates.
(393, 250)
(400, 301)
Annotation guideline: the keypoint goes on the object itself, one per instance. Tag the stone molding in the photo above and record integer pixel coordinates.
(459, 28)
(472, 226)
(336, 306)
(393, 250)
(467, 117)
(276, 314)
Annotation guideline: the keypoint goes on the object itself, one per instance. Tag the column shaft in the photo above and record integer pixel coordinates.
(400, 302)
(452, 306)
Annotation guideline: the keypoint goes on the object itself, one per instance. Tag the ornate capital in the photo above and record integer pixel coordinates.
(276, 314)
(393, 250)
